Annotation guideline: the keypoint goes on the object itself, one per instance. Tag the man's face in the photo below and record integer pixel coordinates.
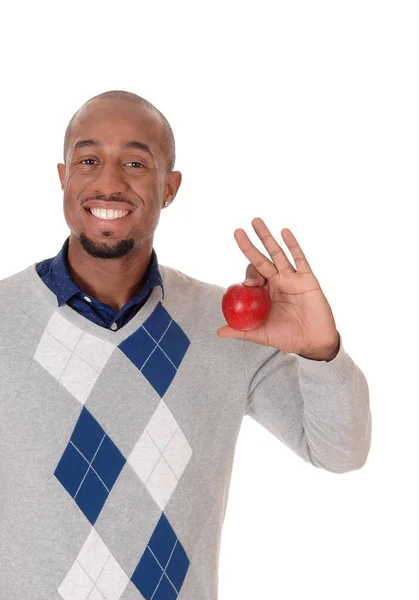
(104, 167)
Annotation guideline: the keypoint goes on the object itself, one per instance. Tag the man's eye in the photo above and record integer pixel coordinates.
(85, 160)
(137, 164)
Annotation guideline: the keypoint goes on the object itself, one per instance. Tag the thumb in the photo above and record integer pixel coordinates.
(228, 332)
(253, 277)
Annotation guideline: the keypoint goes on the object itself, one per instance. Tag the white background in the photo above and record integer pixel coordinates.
(306, 114)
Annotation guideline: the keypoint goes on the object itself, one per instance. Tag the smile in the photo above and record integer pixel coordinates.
(108, 215)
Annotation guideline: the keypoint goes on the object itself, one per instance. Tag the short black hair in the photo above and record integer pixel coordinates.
(168, 140)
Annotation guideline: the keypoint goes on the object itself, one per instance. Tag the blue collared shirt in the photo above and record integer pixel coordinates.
(55, 274)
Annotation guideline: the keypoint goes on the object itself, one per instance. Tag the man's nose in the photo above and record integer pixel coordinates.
(110, 180)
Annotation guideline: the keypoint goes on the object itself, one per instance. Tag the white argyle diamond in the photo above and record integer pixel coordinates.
(95, 574)
(161, 454)
(72, 356)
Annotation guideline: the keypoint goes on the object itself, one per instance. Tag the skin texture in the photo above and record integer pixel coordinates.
(105, 263)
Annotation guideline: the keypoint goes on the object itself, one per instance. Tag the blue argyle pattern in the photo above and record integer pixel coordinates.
(162, 569)
(91, 463)
(89, 466)
(157, 348)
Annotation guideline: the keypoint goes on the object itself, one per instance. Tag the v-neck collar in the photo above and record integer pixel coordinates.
(77, 319)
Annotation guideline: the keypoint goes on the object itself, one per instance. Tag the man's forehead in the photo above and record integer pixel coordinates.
(120, 115)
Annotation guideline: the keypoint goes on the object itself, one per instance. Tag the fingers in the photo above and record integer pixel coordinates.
(262, 264)
(253, 277)
(277, 254)
(280, 263)
(298, 255)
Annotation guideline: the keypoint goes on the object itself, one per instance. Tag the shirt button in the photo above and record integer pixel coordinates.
(114, 326)
(87, 299)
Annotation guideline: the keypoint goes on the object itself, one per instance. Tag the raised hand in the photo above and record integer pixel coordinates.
(301, 320)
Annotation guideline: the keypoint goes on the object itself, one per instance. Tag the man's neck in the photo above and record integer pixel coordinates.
(110, 281)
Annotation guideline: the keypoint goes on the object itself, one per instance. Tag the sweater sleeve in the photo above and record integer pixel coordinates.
(319, 409)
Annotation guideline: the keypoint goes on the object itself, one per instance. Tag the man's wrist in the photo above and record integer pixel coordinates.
(326, 355)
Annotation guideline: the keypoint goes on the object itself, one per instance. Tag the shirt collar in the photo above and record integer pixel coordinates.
(59, 267)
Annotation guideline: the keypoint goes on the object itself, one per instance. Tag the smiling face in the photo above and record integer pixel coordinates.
(116, 160)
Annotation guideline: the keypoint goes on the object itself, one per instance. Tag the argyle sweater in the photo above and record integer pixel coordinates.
(117, 447)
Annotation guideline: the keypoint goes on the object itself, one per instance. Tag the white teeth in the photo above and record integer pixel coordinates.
(103, 213)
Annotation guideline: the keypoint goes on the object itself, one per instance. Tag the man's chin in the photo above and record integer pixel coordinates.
(115, 249)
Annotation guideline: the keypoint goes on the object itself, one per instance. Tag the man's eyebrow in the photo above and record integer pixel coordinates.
(85, 143)
(139, 146)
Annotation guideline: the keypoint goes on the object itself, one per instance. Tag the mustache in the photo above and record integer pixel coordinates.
(111, 198)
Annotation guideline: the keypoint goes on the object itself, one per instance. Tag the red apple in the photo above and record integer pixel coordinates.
(245, 307)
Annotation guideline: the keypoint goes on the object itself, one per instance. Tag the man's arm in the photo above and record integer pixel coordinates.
(318, 409)
(305, 388)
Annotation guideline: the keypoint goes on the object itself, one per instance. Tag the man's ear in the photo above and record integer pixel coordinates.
(173, 181)
(61, 173)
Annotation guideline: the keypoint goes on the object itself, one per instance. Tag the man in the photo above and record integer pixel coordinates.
(120, 404)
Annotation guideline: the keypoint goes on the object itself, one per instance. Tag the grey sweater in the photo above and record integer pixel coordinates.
(116, 447)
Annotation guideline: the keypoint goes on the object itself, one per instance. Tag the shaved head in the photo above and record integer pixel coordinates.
(167, 137)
